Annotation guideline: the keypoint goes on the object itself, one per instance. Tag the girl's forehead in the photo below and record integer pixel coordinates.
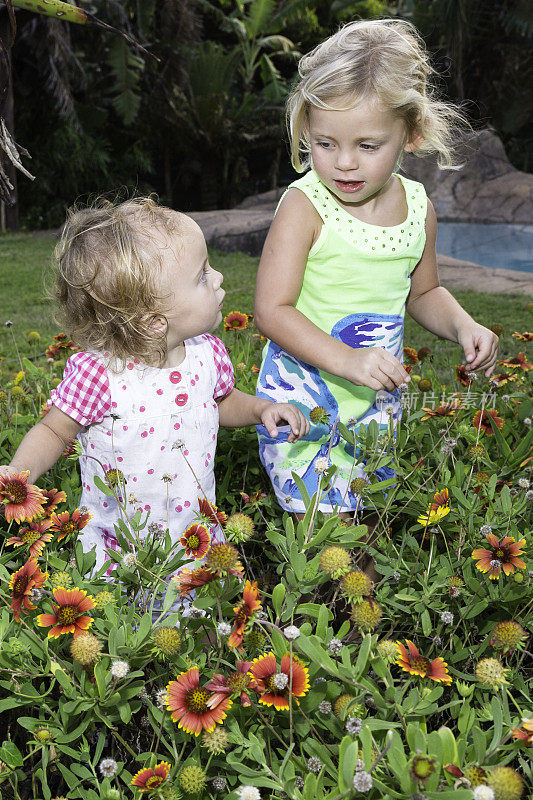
(369, 115)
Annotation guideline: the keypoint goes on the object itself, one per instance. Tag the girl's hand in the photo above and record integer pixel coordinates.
(285, 412)
(375, 368)
(480, 346)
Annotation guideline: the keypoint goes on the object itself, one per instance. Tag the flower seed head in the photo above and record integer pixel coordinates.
(192, 779)
(335, 647)
(483, 792)
(222, 557)
(291, 632)
(215, 741)
(507, 636)
(353, 725)
(335, 561)
(167, 641)
(249, 793)
(314, 764)
(325, 707)
(219, 783)
(367, 615)
(224, 629)
(506, 783)
(362, 782)
(108, 767)
(119, 669)
(280, 680)
(447, 617)
(321, 465)
(85, 649)
(239, 528)
(355, 585)
(491, 672)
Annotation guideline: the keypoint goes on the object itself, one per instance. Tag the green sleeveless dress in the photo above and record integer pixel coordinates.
(355, 285)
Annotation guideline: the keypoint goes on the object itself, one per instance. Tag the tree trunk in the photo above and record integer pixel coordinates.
(10, 215)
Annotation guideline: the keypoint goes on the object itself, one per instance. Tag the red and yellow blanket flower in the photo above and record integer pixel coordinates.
(527, 336)
(21, 584)
(35, 536)
(21, 501)
(446, 410)
(209, 513)
(481, 421)
(524, 732)
(244, 611)
(463, 375)
(517, 362)
(66, 524)
(189, 579)
(410, 660)
(148, 779)
(275, 684)
(196, 541)
(69, 615)
(498, 556)
(502, 378)
(192, 706)
(235, 321)
(437, 509)
(52, 499)
(236, 684)
(411, 355)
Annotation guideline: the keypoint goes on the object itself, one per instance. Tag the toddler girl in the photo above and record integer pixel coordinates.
(352, 246)
(146, 392)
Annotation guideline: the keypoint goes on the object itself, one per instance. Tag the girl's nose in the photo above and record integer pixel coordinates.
(218, 278)
(346, 160)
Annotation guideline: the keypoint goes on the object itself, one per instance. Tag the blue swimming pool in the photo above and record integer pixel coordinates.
(493, 245)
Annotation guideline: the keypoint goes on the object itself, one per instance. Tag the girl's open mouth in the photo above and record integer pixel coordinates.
(349, 186)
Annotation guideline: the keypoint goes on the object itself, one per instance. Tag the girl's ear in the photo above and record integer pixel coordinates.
(159, 325)
(414, 141)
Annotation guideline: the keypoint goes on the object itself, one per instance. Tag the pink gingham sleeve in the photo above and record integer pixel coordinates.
(83, 394)
(224, 367)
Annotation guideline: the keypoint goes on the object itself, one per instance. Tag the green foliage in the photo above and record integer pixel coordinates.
(361, 717)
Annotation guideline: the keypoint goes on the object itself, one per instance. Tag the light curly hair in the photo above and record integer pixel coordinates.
(383, 58)
(107, 266)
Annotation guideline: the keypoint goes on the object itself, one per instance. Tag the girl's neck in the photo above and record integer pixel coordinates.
(175, 355)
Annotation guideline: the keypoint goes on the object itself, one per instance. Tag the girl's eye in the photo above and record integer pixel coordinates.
(369, 146)
(325, 145)
(203, 276)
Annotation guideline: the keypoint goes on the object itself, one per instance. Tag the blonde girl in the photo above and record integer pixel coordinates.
(352, 246)
(150, 384)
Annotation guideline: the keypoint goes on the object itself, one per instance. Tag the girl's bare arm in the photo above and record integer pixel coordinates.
(279, 280)
(44, 443)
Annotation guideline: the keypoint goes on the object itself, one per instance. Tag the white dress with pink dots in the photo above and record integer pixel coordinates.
(151, 424)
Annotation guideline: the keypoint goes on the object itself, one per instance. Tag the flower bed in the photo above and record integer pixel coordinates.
(291, 674)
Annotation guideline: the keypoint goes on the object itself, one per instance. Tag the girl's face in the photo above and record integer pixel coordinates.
(355, 152)
(191, 289)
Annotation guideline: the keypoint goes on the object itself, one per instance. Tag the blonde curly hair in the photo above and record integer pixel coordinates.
(107, 267)
(384, 58)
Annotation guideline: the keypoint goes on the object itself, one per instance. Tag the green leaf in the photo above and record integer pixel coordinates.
(324, 615)
(278, 595)
(450, 754)
(10, 754)
(346, 741)
(362, 656)
(497, 716)
(426, 623)
(349, 761)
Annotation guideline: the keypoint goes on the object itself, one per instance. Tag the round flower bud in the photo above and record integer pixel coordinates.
(475, 452)
(359, 486)
(239, 528)
(491, 673)
(85, 649)
(314, 764)
(347, 701)
(249, 793)
(335, 561)
(362, 782)
(476, 775)
(108, 767)
(291, 632)
(425, 385)
(388, 650)
(192, 779)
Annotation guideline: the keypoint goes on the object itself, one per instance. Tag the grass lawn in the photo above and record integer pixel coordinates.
(25, 277)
